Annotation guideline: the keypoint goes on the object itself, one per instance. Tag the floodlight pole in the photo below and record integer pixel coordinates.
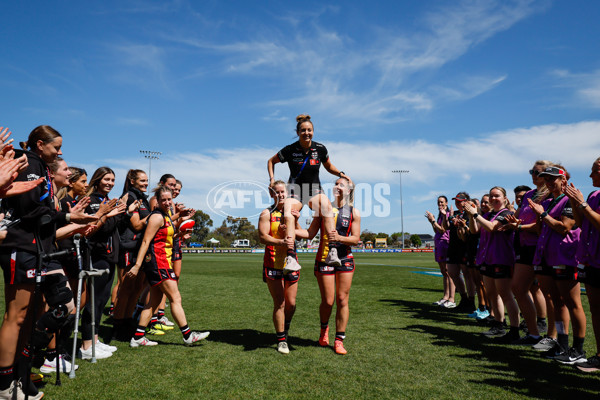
(150, 155)
(400, 172)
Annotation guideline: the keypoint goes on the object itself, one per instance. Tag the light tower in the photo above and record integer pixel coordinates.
(150, 155)
(400, 172)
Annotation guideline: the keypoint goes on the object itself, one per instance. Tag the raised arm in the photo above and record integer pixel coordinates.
(271, 167)
(562, 225)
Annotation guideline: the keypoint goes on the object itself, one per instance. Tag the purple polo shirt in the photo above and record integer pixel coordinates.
(588, 250)
(553, 247)
(442, 237)
(441, 241)
(496, 248)
(528, 216)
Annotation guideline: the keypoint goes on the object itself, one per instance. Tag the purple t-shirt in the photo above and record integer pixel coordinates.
(442, 237)
(553, 247)
(588, 250)
(528, 216)
(496, 248)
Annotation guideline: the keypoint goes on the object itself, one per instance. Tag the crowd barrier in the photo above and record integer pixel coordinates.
(216, 250)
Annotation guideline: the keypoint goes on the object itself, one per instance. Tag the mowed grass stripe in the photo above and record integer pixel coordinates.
(400, 346)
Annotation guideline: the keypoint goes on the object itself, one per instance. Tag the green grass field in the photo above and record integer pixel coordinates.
(399, 345)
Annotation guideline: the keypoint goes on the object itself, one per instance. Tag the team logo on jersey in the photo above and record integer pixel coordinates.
(315, 155)
(345, 223)
(314, 162)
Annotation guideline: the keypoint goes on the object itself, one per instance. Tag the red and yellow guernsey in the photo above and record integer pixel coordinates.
(343, 225)
(275, 255)
(162, 244)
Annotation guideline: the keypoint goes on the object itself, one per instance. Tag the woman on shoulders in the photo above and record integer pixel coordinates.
(304, 159)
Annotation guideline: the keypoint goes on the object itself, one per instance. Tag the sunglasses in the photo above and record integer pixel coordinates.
(534, 172)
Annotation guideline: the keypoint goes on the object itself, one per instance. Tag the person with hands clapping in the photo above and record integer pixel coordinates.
(441, 240)
(38, 216)
(587, 215)
(104, 247)
(525, 223)
(457, 255)
(496, 257)
(11, 167)
(131, 235)
(555, 256)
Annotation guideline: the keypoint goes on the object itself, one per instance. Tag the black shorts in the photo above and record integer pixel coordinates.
(303, 192)
(71, 267)
(496, 271)
(543, 269)
(347, 265)
(471, 262)
(19, 267)
(526, 254)
(456, 255)
(564, 273)
(273, 274)
(54, 265)
(127, 259)
(485, 270)
(156, 275)
(589, 276)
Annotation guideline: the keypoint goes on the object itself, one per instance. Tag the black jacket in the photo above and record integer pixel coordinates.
(104, 243)
(32, 208)
(131, 239)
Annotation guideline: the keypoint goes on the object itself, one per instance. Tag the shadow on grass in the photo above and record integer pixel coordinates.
(420, 289)
(252, 339)
(516, 369)
(427, 311)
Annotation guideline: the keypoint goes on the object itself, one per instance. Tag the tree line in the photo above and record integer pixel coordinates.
(241, 228)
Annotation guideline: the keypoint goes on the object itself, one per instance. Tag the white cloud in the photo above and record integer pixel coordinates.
(585, 86)
(468, 88)
(345, 77)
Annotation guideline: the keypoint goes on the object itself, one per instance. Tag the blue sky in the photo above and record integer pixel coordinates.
(465, 95)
